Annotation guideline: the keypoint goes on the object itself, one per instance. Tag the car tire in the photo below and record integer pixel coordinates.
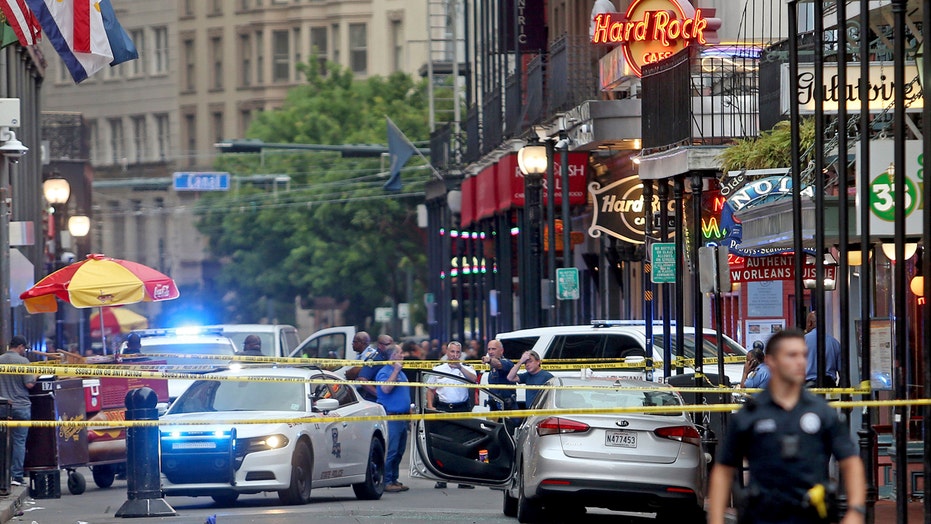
(527, 510)
(76, 483)
(374, 485)
(302, 474)
(104, 475)
(225, 500)
(510, 505)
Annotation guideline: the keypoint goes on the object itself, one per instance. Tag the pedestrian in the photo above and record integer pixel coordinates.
(451, 399)
(534, 376)
(16, 389)
(252, 346)
(396, 400)
(498, 369)
(756, 373)
(133, 344)
(474, 351)
(832, 354)
(368, 373)
(788, 436)
(435, 352)
(362, 345)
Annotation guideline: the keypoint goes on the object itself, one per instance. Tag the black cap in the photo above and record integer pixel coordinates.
(132, 341)
(17, 341)
(758, 344)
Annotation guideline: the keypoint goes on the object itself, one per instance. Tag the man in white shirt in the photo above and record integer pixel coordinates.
(451, 399)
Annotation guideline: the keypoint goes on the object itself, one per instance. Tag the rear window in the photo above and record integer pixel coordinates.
(613, 398)
(709, 347)
(515, 347)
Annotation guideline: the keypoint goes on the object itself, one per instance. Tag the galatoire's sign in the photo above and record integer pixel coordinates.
(652, 30)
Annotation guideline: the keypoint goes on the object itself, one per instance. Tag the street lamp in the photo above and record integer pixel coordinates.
(533, 163)
(79, 225)
(57, 191)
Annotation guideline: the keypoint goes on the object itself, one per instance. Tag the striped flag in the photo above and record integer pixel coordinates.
(76, 30)
(400, 150)
(22, 21)
(121, 44)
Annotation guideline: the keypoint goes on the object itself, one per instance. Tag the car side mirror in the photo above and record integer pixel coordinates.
(326, 405)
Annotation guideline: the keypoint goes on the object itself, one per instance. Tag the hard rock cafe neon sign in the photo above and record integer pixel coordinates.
(652, 30)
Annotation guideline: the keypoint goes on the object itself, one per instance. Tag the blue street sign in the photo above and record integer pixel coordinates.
(202, 181)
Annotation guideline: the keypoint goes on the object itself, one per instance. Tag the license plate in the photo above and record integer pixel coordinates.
(623, 439)
(194, 445)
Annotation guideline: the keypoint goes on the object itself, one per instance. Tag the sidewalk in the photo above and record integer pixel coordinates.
(12, 504)
(885, 511)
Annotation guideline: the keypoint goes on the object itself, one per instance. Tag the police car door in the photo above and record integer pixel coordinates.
(337, 449)
(473, 448)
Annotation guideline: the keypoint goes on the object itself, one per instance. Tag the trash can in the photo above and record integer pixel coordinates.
(714, 430)
(5, 449)
(50, 449)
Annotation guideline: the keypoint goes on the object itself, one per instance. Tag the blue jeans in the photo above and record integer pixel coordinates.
(397, 441)
(18, 442)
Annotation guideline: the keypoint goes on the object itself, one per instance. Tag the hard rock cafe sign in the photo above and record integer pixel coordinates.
(652, 30)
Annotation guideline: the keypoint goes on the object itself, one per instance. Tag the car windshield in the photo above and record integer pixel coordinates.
(616, 398)
(709, 346)
(216, 395)
(268, 339)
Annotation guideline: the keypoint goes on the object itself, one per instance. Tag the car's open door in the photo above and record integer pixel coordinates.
(454, 450)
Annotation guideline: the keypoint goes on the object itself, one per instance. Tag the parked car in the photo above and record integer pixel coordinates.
(560, 464)
(334, 342)
(615, 340)
(226, 460)
(278, 340)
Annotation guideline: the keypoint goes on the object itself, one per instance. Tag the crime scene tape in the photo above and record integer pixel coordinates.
(326, 419)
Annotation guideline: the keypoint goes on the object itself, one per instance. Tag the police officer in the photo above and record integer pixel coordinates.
(788, 436)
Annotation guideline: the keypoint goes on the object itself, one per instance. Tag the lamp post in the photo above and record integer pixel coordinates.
(533, 162)
(12, 149)
(57, 191)
(79, 226)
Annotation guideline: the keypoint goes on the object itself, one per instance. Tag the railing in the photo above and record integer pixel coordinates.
(491, 122)
(572, 73)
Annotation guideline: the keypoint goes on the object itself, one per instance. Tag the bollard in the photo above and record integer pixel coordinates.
(143, 486)
(6, 451)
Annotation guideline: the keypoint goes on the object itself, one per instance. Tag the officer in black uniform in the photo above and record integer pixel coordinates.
(788, 436)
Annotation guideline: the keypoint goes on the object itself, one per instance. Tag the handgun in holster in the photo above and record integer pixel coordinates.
(822, 499)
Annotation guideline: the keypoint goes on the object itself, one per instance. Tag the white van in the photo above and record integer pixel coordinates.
(278, 340)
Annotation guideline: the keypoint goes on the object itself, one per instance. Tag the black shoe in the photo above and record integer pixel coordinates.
(439, 485)
(466, 486)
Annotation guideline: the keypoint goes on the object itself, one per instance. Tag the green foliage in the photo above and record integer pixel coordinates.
(770, 150)
(334, 232)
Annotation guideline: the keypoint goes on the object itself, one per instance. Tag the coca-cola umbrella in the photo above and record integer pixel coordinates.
(115, 321)
(99, 281)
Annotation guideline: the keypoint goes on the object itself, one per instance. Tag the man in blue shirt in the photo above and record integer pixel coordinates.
(396, 400)
(832, 355)
(498, 369)
(534, 376)
(368, 372)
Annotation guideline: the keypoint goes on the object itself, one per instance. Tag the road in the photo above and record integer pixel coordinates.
(421, 504)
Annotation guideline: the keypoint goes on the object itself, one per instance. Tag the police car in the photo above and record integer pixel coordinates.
(276, 450)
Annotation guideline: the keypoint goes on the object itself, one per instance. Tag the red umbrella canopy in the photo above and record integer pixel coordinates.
(99, 280)
(116, 320)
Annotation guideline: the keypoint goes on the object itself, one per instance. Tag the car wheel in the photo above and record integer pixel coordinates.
(374, 484)
(104, 475)
(527, 510)
(225, 500)
(76, 483)
(510, 505)
(302, 471)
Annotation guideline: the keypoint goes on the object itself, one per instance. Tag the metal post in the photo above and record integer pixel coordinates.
(818, 291)
(568, 307)
(796, 167)
(647, 277)
(900, 326)
(533, 185)
(926, 259)
(5, 198)
(664, 237)
(678, 187)
(143, 489)
(551, 232)
(698, 297)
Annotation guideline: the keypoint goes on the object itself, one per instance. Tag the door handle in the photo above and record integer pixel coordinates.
(484, 427)
(345, 424)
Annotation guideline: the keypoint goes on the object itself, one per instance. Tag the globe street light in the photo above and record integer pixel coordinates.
(57, 191)
(533, 163)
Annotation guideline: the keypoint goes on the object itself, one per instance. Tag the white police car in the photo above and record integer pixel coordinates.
(280, 453)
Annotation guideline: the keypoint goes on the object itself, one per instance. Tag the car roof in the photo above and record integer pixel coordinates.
(587, 328)
(277, 371)
(612, 382)
(261, 328)
(185, 339)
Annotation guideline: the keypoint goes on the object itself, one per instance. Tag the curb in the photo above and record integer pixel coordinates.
(11, 504)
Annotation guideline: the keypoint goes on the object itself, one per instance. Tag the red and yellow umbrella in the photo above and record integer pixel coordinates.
(116, 320)
(99, 281)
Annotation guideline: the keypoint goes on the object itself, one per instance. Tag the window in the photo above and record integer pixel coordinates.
(281, 57)
(216, 57)
(297, 51)
(139, 139)
(189, 7)
(161, 125)
(189, 61)
(217, 117)
(358, 58)
(245, 51)
(216, 7)
(93, 134)
(318, 46)
(118, 241)
(190, 131)
(245, 120)
(160, 62)
(397, 45)
(335, 40)
(138, 38)
(116, 140)
(140, 235)
(259, 57)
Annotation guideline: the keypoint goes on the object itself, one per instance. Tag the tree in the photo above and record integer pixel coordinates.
(334, 233)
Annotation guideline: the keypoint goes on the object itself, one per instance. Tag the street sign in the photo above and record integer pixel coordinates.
(567, 283)
(201, 181)
(663, 257)
(383, 314)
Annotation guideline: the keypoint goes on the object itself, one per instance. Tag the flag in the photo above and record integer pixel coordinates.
(75, 29)
(121, 44)
(22, 21)
(400, 150)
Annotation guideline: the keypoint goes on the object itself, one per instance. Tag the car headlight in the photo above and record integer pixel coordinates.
(244, 446)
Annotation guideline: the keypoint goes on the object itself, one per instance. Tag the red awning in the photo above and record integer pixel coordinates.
(486, 193)
(468, 202)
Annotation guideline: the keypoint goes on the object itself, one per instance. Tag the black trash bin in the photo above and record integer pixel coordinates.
(6, 451)
(717, 422)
